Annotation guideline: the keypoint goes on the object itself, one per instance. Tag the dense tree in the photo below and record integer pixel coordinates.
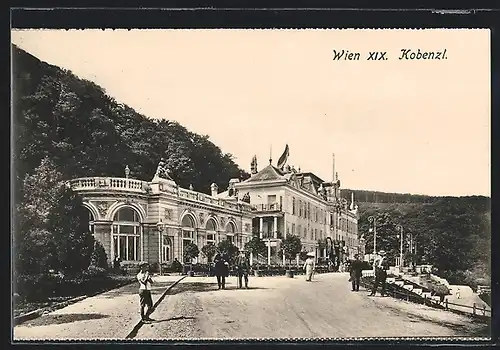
(256, 246)
(52, 225)
(191, 251)
(292, 246)
(208, 251)
(228, 249)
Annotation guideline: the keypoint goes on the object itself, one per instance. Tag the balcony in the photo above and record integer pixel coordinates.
(273, 207)
(108, 183)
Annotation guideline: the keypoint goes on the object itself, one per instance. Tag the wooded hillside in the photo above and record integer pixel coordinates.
(85, 132)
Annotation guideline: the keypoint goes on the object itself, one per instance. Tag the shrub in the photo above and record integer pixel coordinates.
(94, 272)
(99, 257)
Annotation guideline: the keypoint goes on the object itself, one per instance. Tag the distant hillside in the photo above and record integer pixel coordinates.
(366, 196)
(452, 233)
(85, 132)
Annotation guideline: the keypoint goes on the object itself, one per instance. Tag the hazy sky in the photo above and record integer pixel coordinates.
(421, 127)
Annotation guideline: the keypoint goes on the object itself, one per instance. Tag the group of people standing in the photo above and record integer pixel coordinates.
(221, 265)
(380, 267)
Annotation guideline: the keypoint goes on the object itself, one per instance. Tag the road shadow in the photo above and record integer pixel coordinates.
(54, 319)
(176, 318)
(199, 287)
(157, 288)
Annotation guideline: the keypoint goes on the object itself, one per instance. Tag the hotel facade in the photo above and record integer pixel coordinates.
(153, 220)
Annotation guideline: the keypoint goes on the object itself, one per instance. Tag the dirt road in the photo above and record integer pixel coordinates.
(280, 307)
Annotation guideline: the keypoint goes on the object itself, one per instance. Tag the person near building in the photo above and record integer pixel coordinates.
(309, 266)
(221, 270)
(381, 266)
(243, 268)
(356, 269)
(145, 282)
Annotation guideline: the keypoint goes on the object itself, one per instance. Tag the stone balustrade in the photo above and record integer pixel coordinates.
(112, 183)
(138, 186)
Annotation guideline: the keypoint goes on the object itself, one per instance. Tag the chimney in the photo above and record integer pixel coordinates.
(215, 189)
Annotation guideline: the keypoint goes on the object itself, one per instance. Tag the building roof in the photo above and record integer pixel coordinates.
(269, 173)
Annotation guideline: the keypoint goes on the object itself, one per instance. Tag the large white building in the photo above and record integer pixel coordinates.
(152, 221)
(287, 202)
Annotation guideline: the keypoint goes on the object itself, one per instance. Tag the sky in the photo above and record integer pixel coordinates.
(406, 126)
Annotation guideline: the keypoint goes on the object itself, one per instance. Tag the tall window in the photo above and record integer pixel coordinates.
(126, 232)
(166, 249)
(187, 233)
(91, 223)
(300, 208)
(293, 206)
(211, 233)
(293, 229)
(230, 232)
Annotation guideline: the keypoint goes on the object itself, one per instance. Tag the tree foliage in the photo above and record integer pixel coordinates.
(453, 234)
(228, 249)
(209, 250)
(99, 257)
(60, 116)
(292, 246)
(256, 246)
(191, 251)
(52, 225)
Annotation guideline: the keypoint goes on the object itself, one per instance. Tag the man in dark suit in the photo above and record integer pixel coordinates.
(381, 266)
(221, 270)
(356, 268)
(243, 266)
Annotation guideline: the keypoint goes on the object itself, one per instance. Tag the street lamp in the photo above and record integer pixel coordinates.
(373, 220)
(160, 227)
(400, 229)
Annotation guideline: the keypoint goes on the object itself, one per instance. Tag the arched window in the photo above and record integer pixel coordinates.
(211, 232)
(126, 232)
(187, 231)
(91, 222)
(166, 249)
(230, 231)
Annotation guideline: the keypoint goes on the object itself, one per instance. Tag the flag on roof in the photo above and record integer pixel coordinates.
(284, 157)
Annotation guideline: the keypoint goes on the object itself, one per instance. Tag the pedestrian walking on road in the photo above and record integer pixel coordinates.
(221, 270)
(356, 269)
(145, 282)
(309, 266)
(243, 268)
(381, 266)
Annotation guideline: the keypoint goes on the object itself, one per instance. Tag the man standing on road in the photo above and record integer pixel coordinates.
(356, 268)
(381, 266)
(243, 266)
(221, 270)
(145, 281)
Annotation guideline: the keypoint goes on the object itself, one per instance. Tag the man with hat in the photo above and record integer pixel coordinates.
(356, 269)
(381, 266)
(145, 281)
(243, 268)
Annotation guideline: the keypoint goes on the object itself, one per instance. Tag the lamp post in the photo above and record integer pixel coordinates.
(400, 229)
(373, 221)
(160, 227)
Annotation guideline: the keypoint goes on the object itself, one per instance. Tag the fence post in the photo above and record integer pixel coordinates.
(425, 297)
(474, 308)
(484, 310)
(407, 295)
(446, 303)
